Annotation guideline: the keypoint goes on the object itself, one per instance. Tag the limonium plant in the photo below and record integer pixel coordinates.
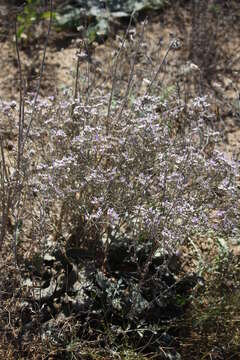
(128, 163)
(139, 177)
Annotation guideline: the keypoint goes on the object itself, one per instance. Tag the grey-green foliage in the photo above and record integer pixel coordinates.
(101, 12)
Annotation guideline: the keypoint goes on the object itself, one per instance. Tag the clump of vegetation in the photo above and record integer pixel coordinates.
(33, 12)
(98, 15)
(109, 184)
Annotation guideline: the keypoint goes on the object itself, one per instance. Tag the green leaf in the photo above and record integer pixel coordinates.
(20, 31)
(222, 244)
(102, 27)
(47, 15)
(91, 33)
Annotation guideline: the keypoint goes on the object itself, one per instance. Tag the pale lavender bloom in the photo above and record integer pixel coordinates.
(220, 213)
(97, 215)
(60, 134)
(112, 215)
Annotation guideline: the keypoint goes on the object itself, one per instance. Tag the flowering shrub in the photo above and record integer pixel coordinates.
(136, 174)
(117, 162)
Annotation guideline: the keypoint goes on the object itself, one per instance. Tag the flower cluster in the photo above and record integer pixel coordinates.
(137, 175)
